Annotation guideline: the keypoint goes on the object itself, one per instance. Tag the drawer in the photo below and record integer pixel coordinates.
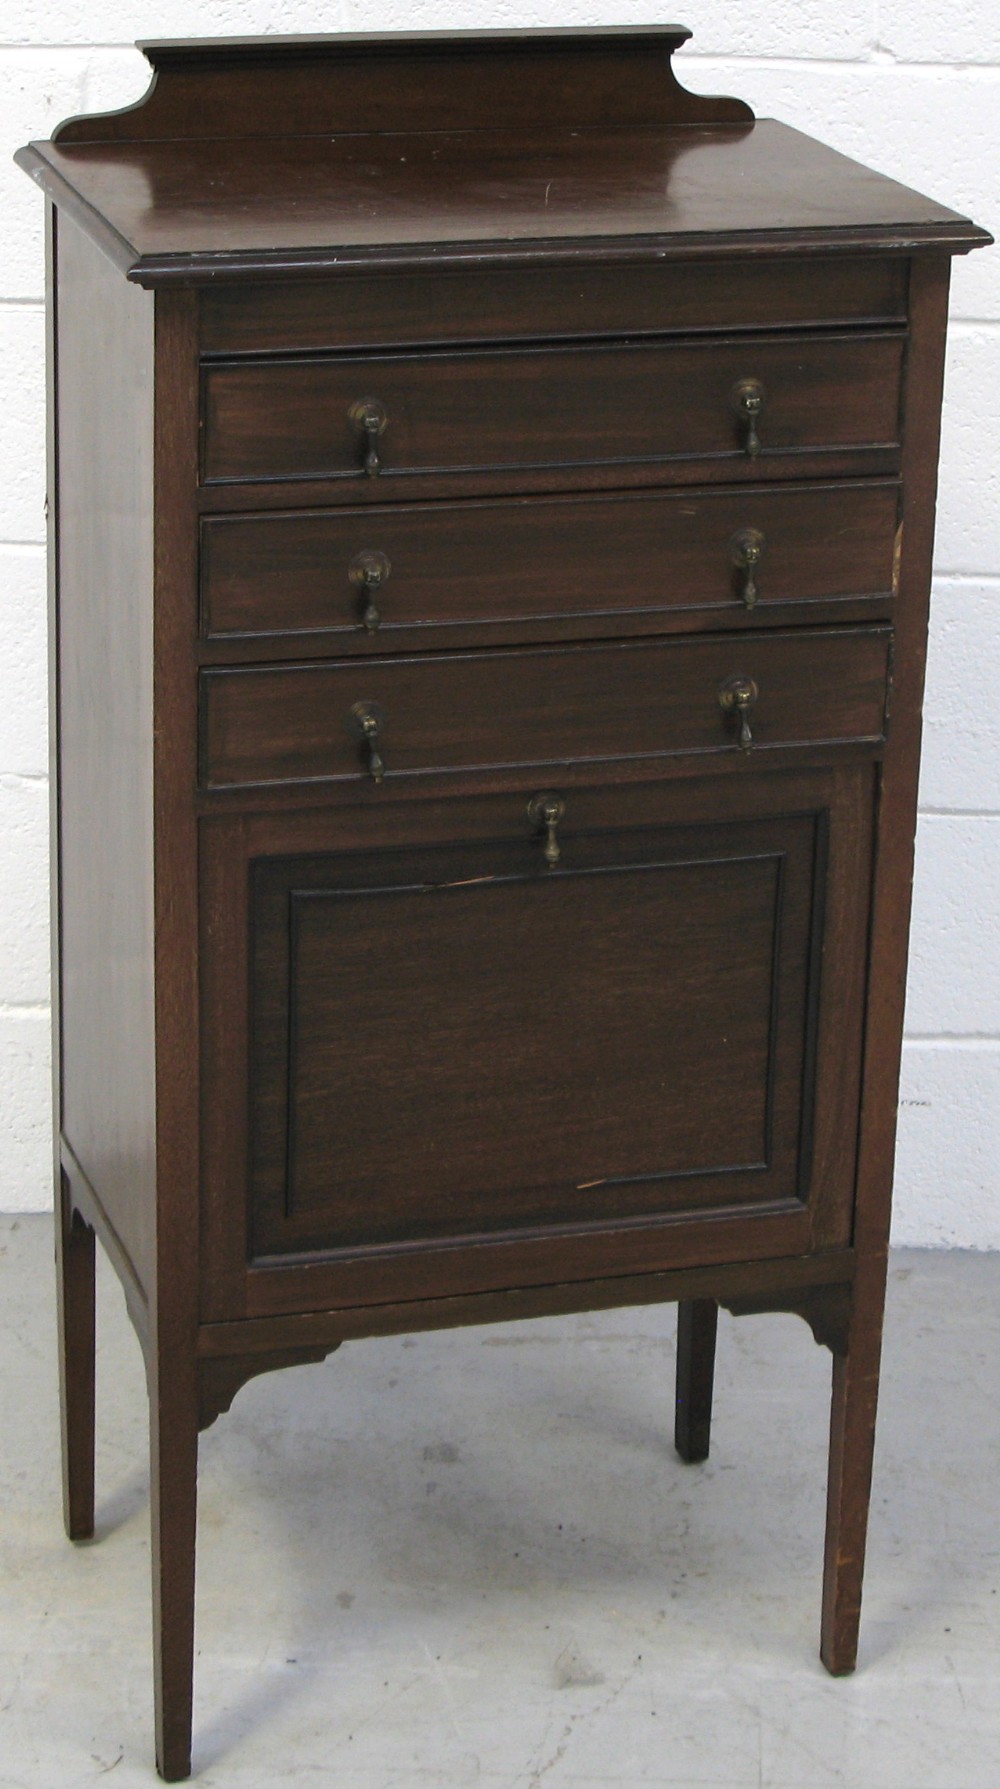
(359, 311)
(543, 708)
(452, 412)
(414, 575)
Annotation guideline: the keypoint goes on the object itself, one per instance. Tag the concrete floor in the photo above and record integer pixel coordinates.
(473, 1559)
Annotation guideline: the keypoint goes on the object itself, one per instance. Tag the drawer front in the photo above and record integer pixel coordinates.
(411, 575)
(548, 407)
(570, 705)
(359, 311)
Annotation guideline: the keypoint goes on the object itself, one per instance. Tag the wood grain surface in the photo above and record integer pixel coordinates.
(464, 572)
(225, 209)
(616, 298)
(345, 1057)
(542, 708)
(563, 407)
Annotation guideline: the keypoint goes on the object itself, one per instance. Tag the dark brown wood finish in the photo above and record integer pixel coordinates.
(565, 407)
(697, 1324)
(774, 1280)
(74, 1238)
(409, 81)
(105, 735)
(469, 573)
(855, 1374)
(616, 299)
(299, 1102)
(731, 470)
(644, 1009)
(75, 1245)
(173, 1373)
(125, 569)
(324, 205)
(220, 1377)
(825, 1307)
(546, 708)
(245, 1016)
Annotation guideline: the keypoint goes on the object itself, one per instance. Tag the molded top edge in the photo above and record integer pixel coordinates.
(161, 51)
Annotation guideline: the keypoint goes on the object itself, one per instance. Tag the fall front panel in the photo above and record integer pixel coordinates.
(462, 1042)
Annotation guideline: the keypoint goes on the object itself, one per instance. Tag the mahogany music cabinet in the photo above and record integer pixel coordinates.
(491, 501)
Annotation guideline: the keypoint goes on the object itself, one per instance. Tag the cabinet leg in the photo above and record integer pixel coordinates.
(75, 1266)
(174, 1497)
(852, 1444)
(697, 1321)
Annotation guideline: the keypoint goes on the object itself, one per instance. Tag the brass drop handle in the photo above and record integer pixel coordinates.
(747, 549)
(368, 572)
(369, 418)
(737, 696)
(545, 812)
(367, 723)
(748, 402)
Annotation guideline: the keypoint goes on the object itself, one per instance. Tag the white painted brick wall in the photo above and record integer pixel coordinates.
(892, 82)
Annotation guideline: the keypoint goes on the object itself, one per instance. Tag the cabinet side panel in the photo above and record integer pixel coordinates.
(105, 760)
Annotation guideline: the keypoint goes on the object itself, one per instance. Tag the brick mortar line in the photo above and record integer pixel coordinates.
(943, 576)
(876, 57)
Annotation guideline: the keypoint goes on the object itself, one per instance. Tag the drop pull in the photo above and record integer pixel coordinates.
(545, 812)
(367, 722)
(737, 696)
(748, 402)
(747, 549)
(368, 572)
(369, 418)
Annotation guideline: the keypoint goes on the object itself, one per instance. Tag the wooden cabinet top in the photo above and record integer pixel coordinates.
(275, 156)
